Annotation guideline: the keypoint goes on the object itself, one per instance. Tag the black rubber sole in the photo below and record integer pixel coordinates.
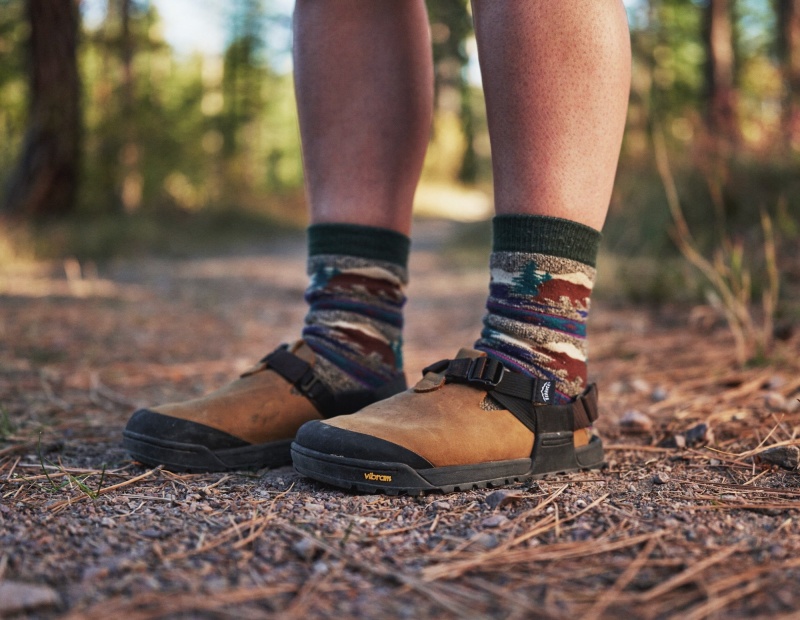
(392, 478)
(189, 457)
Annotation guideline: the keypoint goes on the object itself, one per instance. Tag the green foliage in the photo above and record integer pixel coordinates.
(69, 479)
(164, 131)
(178, 143)
(13, 84)
(7, 427)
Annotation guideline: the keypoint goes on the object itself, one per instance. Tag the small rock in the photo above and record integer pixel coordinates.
(659, 394)
(641, 386)
(775, 382)
(786, 457)
(676, 441)
(442, 505)
(485, 540)
(616, 388)
(16, 597)
(305, 549)
(150, 533)
(700, 434)
(494, 521)
(321, 568)
(661, 478)
(775, 401)
(581, 534)
(498, 499)
(312, 507)
(636, 422)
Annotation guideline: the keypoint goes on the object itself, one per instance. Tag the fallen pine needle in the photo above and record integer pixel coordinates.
(61, 505)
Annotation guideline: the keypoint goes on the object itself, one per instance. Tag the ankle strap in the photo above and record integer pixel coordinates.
(301, 375)
(528, 398)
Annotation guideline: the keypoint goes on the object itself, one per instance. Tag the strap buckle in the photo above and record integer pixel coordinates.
(307, 384)
(485, 371)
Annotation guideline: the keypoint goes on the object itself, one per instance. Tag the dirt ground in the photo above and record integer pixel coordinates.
(685, 521)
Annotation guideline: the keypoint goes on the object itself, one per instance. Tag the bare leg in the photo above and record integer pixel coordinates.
(364, 81)
(557, 77)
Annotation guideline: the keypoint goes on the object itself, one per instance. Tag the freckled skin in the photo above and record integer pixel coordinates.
(364, 82)
(556, 75)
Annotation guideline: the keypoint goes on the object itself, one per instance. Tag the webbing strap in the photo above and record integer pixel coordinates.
(528, 398)
(299, 373)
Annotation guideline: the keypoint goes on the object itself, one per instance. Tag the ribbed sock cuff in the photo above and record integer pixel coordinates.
(541, 234)
(362, 241)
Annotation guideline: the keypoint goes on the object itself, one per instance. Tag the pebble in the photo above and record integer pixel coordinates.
(312, 507)
(701, 433)
(581, 534)
(634, 421)
(659, 394)
(485, 540)
(775, 401)
(495, 521)
(661, 478)
(616, 388)
(498, 499)
(442, 505)
(16, 597)
(786, 457)
(698, 434)
(305, 549)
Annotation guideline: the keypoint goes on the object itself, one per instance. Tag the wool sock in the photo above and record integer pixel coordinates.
(356, 297)
(542, 274)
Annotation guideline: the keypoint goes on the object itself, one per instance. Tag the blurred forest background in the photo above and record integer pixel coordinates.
(114, 143)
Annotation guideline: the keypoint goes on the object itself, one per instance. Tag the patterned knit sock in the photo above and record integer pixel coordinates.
(542, 274)
(355, 298)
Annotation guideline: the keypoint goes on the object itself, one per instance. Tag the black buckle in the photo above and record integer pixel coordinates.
(308, 383)
(485, 371)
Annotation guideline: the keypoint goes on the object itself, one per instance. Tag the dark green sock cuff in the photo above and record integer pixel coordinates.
(541, 234)
(361, 241)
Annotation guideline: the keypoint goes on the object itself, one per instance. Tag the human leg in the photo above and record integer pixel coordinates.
(363, 79)
(555, 75)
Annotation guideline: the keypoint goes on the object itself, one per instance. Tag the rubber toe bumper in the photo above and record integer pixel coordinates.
(360, 462)
(181, 445)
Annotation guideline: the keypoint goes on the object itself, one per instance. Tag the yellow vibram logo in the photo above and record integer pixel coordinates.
(379, 477)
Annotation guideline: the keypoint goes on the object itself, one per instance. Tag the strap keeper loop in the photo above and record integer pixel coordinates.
(485, 371)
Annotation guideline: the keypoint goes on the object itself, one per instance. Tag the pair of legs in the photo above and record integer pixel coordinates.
(556, 76)
(556, 80)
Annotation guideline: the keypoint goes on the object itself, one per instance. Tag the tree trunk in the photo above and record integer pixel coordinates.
(720, 73)
(131, 191)
(789, 40)
(45, 181)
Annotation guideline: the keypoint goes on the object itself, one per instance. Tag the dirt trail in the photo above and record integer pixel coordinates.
(697, 531)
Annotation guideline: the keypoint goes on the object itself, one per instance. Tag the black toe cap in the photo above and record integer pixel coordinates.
(331, 440)
(146, 423)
